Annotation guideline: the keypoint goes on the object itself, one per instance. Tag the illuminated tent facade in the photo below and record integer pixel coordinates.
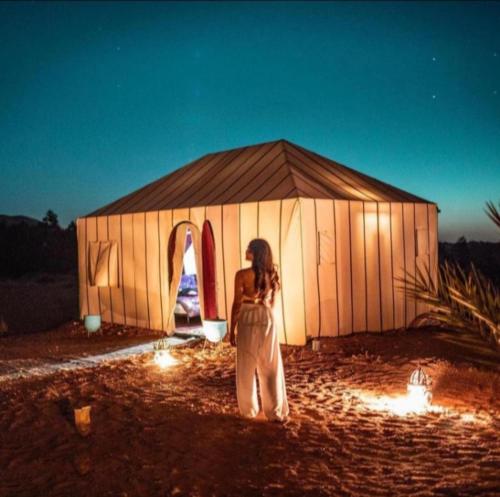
(340, 239)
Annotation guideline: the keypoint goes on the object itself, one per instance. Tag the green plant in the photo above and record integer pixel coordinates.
(492, 212)
(457, 298)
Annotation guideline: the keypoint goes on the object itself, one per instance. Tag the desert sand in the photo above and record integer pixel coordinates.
(177, 431)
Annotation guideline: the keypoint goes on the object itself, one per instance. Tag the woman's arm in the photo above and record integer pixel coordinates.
(235, 310)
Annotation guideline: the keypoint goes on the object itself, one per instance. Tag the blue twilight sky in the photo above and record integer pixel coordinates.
(97, 99)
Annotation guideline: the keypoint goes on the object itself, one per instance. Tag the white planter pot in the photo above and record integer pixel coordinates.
(215, 329)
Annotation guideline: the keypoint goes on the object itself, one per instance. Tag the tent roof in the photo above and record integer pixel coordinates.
(267, 171)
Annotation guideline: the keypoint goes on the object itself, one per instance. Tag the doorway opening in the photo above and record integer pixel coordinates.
(187, 306)
(192, 277)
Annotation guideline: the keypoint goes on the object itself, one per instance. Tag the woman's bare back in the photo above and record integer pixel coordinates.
(247, 282)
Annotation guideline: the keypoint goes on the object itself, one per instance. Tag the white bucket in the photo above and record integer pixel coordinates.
(215, 329)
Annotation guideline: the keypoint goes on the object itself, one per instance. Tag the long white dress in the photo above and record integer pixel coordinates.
(258, 351)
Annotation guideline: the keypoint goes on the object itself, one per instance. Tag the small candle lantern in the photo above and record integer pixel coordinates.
(82, 420)
(162, 355)
(418, 389)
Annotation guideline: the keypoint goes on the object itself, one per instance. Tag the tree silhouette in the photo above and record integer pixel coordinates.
(51, 218)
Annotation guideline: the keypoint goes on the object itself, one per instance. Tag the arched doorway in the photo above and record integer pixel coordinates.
(187, 247)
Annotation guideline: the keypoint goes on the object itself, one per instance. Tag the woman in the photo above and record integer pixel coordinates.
(257, 344)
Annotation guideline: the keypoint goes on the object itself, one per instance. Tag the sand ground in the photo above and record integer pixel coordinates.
(177, 432)
(38, 301)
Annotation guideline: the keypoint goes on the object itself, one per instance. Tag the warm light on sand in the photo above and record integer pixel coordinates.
(410, 404)
(468, 418)
(402, 405)
(164, 359)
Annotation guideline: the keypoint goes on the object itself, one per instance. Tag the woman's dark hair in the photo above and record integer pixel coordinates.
(262, 265)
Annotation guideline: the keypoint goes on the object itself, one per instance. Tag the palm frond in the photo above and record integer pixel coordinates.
(492, 212)
(456, 298)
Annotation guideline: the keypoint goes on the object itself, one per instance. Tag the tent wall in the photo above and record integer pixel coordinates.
(354, 252)
(338, 260)
(141, 299)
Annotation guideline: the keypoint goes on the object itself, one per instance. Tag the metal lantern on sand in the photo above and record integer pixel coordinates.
(162, 356)
(418, 388)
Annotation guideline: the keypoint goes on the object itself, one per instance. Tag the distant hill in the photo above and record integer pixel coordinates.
(484, 255)
(31, 246)
(15, 220)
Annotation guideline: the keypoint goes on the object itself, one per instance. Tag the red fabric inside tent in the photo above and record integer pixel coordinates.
(208, 256)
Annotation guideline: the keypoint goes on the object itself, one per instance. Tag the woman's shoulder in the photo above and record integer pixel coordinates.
(245, 272)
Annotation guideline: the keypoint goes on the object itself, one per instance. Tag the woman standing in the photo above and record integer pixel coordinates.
(257, 344)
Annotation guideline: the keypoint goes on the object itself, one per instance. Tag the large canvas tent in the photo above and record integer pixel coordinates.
(340, 239)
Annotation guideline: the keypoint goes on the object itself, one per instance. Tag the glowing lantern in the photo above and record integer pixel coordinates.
(162, 356)
(418, 388)
(82, 420)
(164, 359)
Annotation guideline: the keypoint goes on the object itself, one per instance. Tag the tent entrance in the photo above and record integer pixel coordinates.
(192, 285)
(187, 306)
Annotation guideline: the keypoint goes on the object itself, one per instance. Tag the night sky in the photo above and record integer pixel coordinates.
(98, 99)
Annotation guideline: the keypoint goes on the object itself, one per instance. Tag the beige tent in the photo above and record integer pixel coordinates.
(339, 237)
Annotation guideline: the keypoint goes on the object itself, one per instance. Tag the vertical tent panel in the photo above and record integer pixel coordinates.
(248, 228)
(153, 270)
(409, 238)
(388, 295)
(214, 215)
(117, 298)
(197, 216)
(373, 290)
(398, 264)
(140, 263)
(180, 215)
(292, 272)
(325, 258)
(358, 251)
(103, 292)
(433, 241)
(129, 269)
(344, 272)
(164, 230)
(421, 247)
(269, 214)
(230, 250)
(310, 253)
(82, 266)
(94, 304)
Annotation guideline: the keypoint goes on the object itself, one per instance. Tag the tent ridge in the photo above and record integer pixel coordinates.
(254, 161)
